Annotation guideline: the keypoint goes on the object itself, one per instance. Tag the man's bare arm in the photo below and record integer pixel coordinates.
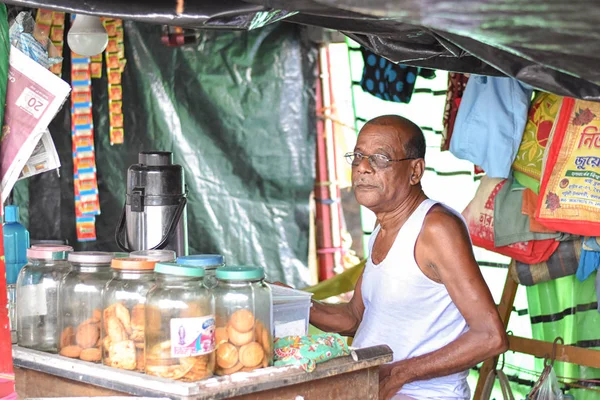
(340, 318)
(444, 246)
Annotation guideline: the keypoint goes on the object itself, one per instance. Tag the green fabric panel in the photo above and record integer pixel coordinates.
(527, 181)
(568, 305)
(237, 109)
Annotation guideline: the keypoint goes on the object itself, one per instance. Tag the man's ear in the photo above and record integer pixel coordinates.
(418, 169)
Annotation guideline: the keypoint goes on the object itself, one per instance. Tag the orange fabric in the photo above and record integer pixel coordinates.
(530, 200)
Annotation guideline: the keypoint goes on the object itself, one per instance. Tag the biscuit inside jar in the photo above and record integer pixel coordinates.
(253, 345)
(123, 344)
(160, 363)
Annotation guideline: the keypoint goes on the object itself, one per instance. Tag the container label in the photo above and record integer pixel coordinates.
(192, 336)
(33, 298)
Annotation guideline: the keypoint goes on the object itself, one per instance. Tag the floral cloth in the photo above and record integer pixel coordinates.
(308, 351)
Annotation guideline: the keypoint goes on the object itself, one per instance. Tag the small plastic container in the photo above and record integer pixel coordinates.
(244, 315)
(291, 311)
(16, 243)
(208, 262)
(80, 305)
(180, 333)
(123, 316)
(156, 255)
(37, 296)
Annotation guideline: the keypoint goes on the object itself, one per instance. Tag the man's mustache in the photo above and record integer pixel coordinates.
(363, 182)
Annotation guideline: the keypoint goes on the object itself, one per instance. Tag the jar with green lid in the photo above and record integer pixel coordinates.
(244, 316)
(180, 328)
(80, 305)
(123, 315)
(208, 262)
(37, 296)
(156, 255)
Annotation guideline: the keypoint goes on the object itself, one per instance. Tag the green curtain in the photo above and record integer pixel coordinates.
(567, 308)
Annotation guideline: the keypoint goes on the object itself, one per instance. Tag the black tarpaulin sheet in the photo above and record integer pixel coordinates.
(238, 112)
(552, 45)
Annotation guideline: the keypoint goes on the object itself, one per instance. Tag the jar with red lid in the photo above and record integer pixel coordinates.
(123, 316)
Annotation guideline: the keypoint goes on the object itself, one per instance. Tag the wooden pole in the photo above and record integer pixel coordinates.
(504, 309)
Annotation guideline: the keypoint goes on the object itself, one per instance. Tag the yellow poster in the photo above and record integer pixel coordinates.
(570, 200)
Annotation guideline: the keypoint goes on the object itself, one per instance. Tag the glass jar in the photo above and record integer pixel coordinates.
(208, 262)
(80, 305)
(156, 255)
(244, 313)
(123, 315)
(180, 333)
(37, 296)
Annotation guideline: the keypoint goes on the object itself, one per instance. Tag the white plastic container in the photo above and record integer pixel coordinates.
(291, 311)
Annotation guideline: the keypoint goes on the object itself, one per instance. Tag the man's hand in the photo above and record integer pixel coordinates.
(280, 284)
(384, 371)
(390, 382)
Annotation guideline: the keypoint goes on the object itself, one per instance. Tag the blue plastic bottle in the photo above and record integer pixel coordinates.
(16, 243)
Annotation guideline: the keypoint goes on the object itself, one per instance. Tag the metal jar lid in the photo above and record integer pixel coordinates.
(91, 257)
(156, 255)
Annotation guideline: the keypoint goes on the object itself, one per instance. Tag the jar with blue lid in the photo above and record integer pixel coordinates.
(37, 296)
(180, 324)
(208, 262)
(244, 314)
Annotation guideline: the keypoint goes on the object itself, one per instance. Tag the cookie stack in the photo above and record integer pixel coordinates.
(84, 342)
(243, 344)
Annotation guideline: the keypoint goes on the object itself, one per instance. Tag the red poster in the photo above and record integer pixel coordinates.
(7, 386)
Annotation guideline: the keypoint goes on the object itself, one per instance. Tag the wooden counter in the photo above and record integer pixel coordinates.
(39, 374)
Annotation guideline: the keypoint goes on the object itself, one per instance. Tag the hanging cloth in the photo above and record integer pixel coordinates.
(390, 81)
(456, 86)
(490, 123)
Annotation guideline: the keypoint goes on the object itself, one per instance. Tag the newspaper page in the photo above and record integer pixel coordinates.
(33, 97)
(44, 157)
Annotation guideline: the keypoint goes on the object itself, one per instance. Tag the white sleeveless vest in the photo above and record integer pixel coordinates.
(409, 312)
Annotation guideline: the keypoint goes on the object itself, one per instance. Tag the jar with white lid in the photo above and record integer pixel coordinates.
(208, 262)
(80, 305)
(180, 328)
(37, 296)
(156, 255)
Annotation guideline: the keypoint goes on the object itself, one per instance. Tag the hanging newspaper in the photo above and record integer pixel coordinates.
(33, 97)
(44, 157)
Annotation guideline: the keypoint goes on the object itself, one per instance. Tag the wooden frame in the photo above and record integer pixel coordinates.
(537, 348)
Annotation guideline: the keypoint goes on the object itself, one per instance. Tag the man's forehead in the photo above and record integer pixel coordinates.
(380, 135)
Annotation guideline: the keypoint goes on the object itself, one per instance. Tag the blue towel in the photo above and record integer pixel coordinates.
(490, 123)
(590, 257)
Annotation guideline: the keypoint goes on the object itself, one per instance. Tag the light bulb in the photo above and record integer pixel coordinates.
(87, 36)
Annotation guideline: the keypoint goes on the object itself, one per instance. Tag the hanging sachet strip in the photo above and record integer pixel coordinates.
(87, 204)
(115, 64)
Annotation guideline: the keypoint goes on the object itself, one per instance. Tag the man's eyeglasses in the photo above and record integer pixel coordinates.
(377, 161)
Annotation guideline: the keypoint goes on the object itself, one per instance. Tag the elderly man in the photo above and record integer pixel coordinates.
(421, 291)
